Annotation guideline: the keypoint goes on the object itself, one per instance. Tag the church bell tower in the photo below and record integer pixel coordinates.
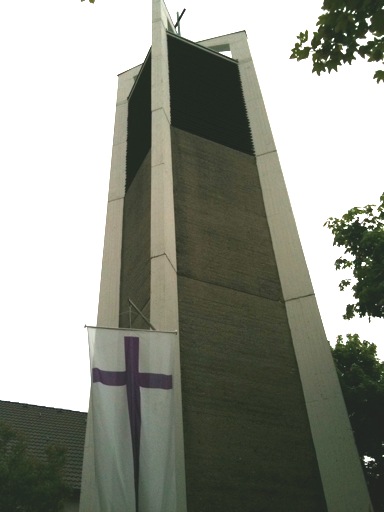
(201, 238)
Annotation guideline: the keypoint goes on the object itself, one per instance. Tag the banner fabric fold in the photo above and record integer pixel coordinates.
(130, 447)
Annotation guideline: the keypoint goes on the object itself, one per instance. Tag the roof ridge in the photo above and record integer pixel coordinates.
(41, 406)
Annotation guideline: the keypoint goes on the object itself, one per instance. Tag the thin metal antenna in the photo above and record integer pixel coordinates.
(177, 24)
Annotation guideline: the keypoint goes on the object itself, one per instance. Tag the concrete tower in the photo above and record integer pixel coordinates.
(200, 236)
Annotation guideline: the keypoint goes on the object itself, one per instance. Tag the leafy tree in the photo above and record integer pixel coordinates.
(361, 376)
(346, 29)
(91, 1)
(361, 232)
(28, 484)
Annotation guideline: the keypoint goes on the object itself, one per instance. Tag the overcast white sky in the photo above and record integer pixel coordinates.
(59, 62)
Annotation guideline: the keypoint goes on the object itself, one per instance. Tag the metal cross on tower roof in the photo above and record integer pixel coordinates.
(177, 24)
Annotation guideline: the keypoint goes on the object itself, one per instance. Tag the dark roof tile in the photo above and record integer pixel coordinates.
(42, 426)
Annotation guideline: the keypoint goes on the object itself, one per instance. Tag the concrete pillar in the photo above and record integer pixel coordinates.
(340, 469)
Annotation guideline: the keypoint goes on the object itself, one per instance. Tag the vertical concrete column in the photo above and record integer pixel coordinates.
(164, 299)
(341, 473)
(109, 297)
(164, 306)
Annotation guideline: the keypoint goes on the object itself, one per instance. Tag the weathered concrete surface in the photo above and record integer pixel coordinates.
(247, 436)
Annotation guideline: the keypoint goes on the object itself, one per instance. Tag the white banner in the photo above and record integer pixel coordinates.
(130, 448)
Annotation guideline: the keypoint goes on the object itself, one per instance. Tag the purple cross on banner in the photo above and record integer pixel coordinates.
(133, 380)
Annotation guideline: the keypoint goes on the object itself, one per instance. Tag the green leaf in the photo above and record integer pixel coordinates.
(303, 36)
(303, 53)
(344, 284)
(379, 76)
(377, 23)
(332, 65)
(318, 67)
(376, 55)
(342, 22)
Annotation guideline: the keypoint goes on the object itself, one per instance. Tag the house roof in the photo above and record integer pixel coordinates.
(44, 426)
